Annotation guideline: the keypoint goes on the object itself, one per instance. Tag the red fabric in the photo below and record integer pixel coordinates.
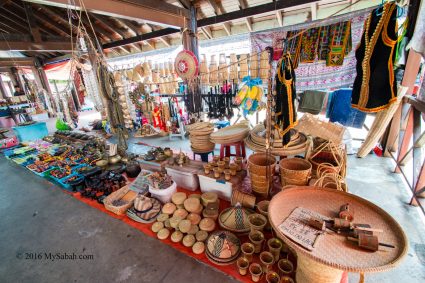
(146, 229)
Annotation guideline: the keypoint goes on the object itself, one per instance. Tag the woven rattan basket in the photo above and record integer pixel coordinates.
(127, 198)
(261, 170)
(295, 171)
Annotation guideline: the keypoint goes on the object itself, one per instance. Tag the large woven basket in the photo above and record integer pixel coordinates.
(295, 171)
(127, 198)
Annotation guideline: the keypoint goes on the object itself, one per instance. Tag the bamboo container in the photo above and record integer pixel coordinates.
(243, 66)
(253, 66)
(233, 67)
(223, 73)
(213, 68)
(203, 70)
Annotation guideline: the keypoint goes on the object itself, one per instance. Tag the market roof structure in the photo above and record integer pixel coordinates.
(43, 29)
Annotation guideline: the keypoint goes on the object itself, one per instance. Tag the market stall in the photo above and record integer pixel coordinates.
(274, 205)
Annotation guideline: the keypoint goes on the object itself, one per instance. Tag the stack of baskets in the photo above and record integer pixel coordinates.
(294, 171)
(199, 135)
(261, 169)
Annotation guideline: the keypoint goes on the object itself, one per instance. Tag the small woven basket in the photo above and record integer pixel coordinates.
(127, 198)
(295, 171)
(261, 169)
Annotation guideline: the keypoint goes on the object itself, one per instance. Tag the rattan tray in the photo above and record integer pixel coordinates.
(334, 250)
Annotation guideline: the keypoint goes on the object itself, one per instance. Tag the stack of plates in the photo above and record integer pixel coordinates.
(199, 135)
(231, 134)
(256, 141)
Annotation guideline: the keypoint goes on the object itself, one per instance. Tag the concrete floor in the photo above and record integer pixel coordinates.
(37, 217)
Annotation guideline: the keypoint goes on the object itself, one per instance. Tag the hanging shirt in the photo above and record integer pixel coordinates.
(374, 88)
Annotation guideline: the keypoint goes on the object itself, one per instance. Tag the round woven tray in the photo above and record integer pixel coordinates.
(297, 145)
(231, 134)
(335, 250)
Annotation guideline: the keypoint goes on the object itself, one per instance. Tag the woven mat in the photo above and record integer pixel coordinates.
(332, 249)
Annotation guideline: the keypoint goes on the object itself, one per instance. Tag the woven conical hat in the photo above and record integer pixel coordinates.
(235, 219)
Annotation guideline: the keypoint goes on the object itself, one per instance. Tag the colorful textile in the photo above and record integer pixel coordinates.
(316, 75)
(323, 45)
(293, 47)
(340, 42)
(309, 43)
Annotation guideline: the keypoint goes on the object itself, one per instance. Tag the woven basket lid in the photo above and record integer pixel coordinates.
(235, 219)
(186, 64)
(223, 246)
(152, 210)
(332, 249)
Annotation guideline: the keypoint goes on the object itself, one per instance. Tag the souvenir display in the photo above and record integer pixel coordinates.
(235, 210)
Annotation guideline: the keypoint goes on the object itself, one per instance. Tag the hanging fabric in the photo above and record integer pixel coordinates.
(293, 46)
(374, 88)
(285, 113)
(340, 43)
(309, 43)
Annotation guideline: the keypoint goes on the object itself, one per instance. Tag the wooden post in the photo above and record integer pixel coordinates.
(409, 77)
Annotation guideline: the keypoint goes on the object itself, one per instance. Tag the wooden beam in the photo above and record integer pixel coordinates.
(17, 62)
(279, 17)
(149, 10)
(106, 21)
(165, 41)
(243, 5)
(17, 18)
(12, 26)
(52, 13)
(215, 7)
(207, 32)
(63, 46)
(313, 8)
(249, 24)
(252, 11)
(227, 28)
(32, 25)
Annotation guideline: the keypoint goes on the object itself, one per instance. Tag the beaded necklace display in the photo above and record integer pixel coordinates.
(369, 47)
